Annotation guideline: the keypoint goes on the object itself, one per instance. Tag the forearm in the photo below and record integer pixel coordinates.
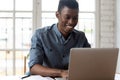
(45, 71)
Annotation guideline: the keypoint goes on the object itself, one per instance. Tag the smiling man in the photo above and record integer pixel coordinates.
(50, 46)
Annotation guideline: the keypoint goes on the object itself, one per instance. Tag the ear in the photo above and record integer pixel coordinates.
(57, 14)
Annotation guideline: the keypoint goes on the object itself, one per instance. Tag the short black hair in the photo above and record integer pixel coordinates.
(73, 4)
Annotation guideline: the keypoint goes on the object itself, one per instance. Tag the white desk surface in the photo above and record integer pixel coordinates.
(37, 77)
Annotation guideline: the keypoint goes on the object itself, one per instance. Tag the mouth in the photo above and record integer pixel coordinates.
(69, 28)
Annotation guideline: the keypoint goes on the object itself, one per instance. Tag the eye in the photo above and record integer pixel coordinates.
(75, 18)
(67, 17)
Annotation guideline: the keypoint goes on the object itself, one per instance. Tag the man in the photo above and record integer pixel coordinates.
(50, 46)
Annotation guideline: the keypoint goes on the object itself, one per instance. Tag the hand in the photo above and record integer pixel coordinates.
(64, 73)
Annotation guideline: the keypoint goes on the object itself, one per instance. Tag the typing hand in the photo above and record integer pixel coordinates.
(64, 74)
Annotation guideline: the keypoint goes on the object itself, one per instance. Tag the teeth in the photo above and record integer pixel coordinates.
(69, 26)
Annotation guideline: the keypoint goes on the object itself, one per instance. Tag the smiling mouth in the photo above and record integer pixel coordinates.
(69, 28)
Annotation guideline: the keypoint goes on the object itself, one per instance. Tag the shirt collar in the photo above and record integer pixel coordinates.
(55, 28)
(57, 31)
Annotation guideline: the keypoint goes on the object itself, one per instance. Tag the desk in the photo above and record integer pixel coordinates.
(10, 78)
(37, 77)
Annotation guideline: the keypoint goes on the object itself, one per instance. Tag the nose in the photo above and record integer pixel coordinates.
(72, 21)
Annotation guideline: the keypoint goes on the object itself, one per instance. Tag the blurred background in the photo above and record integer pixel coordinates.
(99, 20)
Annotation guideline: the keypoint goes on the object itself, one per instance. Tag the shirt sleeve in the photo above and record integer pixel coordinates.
(86, 43)
(36, 51)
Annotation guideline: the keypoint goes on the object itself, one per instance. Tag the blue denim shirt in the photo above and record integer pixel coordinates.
(49, 48)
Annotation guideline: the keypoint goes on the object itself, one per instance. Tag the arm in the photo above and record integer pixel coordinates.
(36, 60)
(45, 71)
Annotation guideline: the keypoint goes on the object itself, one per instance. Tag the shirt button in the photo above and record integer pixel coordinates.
(50, 49)
(64, 67)
(63, 55)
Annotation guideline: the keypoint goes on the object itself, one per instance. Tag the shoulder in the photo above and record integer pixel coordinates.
(44, 30)
(77, 32)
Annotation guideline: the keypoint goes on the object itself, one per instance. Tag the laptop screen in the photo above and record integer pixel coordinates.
(93, 63)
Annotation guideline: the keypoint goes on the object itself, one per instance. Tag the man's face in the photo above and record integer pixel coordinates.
(67, 20)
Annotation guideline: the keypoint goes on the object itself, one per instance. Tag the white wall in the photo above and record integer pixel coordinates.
(109, 25)
(118, 31)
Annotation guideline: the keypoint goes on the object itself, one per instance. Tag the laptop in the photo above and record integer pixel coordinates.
(93, 63)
